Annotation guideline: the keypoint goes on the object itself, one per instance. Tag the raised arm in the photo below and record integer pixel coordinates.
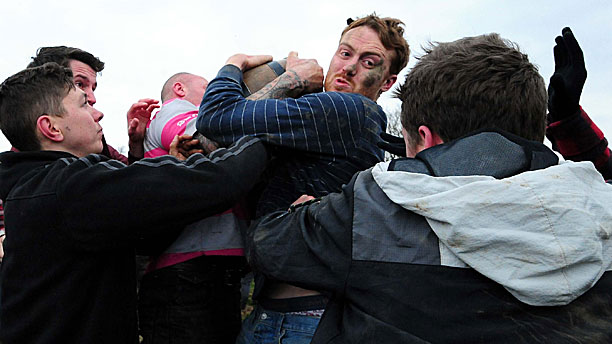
(570, 130)
(138, 116)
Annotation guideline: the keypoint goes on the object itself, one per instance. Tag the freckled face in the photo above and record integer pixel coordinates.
(360, 65)
(85, 79)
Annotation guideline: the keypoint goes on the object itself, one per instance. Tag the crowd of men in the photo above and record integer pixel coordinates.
(477, 233)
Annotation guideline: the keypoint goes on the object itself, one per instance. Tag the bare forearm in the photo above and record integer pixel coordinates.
(287, 85)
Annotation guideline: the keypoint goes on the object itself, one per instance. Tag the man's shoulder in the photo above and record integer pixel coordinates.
(19, 160)
(174, 107)
(34, 172)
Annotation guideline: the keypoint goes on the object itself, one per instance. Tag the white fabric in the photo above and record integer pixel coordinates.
(176, 117)
(544, 235)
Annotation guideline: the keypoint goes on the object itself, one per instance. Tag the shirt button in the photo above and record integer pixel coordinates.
(264, 316)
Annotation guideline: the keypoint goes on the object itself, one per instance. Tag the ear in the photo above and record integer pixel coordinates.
(179, 89)
(49, 128)
(428, 137)
(388, 83)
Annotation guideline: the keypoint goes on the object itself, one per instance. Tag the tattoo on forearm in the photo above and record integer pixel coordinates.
(207, 144)
(287, 85)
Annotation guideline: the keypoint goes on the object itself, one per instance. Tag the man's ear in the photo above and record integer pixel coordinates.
(49, 128)
(179, 89)
(388, 83)
(428, 137)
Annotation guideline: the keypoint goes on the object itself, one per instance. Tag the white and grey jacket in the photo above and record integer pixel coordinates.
(486, 239)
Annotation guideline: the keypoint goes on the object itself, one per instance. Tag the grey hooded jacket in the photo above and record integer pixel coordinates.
(486, 239)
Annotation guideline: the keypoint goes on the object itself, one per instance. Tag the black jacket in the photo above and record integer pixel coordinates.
(382, 262)
(72, 226)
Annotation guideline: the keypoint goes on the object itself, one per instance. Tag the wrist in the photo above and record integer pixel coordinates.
(292, 82)
(136, 150)
(238, 61)
(556, 116)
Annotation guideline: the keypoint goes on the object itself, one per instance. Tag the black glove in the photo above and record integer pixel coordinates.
(392, 144)
(570, 74)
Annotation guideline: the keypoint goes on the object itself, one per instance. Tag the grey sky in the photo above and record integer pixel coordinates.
(144, 42)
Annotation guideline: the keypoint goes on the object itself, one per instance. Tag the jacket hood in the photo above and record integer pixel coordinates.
(15, 165)
(544, 235)
(505, 207)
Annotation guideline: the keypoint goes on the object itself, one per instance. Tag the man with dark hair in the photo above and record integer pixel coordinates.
(74, 218)
(320, 140)
(85, 67)
(512, 99)
(64, 55)
(480, 236)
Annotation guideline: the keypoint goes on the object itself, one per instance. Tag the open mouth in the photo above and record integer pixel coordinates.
(342, 83)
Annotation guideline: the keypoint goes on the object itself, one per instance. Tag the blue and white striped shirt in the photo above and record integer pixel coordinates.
(323, 138)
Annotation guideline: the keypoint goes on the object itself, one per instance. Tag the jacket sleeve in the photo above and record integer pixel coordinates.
(329, 122)
(308, 246)
(577, 138)
(107, 204)
(1, 219)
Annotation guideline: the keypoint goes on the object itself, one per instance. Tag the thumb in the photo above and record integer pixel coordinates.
(293, 54)
(133, 125)
(256, 60)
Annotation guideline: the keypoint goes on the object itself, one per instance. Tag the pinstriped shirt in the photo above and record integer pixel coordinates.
(322, 139)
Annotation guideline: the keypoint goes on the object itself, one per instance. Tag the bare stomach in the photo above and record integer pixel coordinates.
(277, 290)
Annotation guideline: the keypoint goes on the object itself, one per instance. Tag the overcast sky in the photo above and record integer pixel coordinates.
(144, 42)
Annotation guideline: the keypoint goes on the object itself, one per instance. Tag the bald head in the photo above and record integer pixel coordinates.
(184, 86)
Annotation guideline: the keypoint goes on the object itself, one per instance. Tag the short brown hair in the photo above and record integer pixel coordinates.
(62, 56)
(28, 95)
(391, 35)
(470, 84)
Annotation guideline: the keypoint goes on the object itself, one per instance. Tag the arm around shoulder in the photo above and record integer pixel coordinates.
(111, 205)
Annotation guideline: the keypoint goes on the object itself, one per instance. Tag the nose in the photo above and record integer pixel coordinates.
(91, 98)
(350, 68)
(97, 115)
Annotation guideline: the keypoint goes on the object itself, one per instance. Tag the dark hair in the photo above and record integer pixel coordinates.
(474, 83)
(62, 55)
(28, 95)
(391, 35)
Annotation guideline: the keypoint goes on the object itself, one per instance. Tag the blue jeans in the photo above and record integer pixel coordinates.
(263, 326)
